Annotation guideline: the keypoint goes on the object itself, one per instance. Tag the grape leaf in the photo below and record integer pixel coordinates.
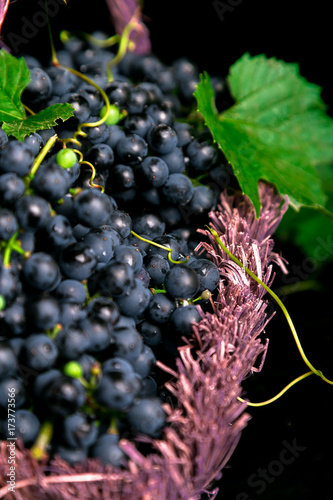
(14, 77)
(45, 119)
(277, 130)
(312, 230)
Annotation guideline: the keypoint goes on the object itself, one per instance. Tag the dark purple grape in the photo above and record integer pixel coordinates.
(132, 149)
(182, 319)
(208, 272)
(107, 450)
(121, 177)
(80, 106)
(130, 255)
(96, 134)
(145, 362)
(162, 138)
(203, 200)
(126, 343)
(8, 361)
(72, 341)
(92, 208)
(138, 124)
(93, 97)
(104, 308)
(151, 333)
(10, 285)
(79, 431)
(152, 171)
(27, 426)
(43, 312)
(161, 308)
(17, 386)
(117, 389)
(175, 161)
(201, 154)
(148, 224)
(121, 222)
(147, 416)
(178, 189)
(32, 212)
(101, 243)
(39, 88)
(184, 135)
(99, 333)
(63, 396)
(34, 142)
(116, 279)
(14, 321)
(181, 282)
(42, 272)
(170, 242)
(77, 261)
(51, 181)
(57, 233)
(62, 80)
(39, 352)
(160, 113)
(135, 301)
(118, 92)
(157, 267)
(137, 101)
(8, 224)
(101, 156)
(16, 157)
(72, 291)
(11, 189)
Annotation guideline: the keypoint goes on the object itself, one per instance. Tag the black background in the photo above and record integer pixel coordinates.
(295, 32)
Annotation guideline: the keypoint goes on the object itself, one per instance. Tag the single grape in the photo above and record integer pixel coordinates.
(147, 416)
(162, 138)
(132, 149)
(182, 319)
(79, 431)
(181, 282)
(66, 158)
(8, 224)
(39, 352)
(108, 451)
(42, 272)
(113, 115)
(16, 157)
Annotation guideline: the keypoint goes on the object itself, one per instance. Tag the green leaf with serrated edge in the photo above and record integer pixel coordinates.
(277, 130)
(14, 77)
(312, 230)
(45, 119)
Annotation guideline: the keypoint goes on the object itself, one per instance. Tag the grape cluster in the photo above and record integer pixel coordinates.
(98, 273)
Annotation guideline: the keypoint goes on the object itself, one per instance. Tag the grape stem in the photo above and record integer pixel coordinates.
(38, 450)
(93, 175)
(169, 250)
(13, 245)
(125, 43)
(108, 42)
(41, 156)
(285, 389)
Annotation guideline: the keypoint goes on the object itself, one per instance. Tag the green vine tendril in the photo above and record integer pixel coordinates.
(288, 318)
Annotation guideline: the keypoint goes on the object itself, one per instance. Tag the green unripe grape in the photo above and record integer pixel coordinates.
(2, 302)
(66, 158)
(206, 295)
(73, 369)
(113, 116)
